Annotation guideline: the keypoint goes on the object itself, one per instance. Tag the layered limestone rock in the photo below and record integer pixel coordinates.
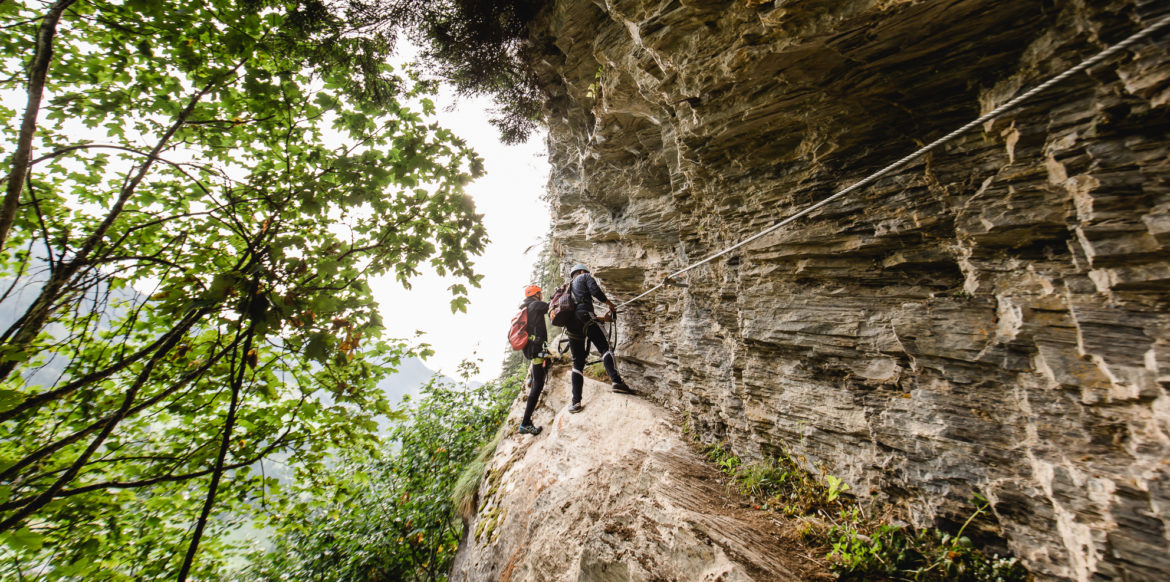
(614, 494)
(993, 318)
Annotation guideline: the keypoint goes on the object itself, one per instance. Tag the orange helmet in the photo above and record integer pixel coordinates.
(531, 290)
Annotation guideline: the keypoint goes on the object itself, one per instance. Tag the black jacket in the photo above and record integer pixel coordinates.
(584, 288)
(536, 327)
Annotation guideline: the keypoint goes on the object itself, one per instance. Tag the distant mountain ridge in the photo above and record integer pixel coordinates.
(412, 373)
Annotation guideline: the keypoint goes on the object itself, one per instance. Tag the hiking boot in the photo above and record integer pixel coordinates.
(621, 388)
(576, 407)
(529, 429)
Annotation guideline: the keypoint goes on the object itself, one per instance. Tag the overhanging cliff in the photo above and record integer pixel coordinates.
(994, 318)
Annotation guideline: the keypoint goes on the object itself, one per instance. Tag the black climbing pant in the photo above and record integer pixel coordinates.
(538, 372)
(579, 347)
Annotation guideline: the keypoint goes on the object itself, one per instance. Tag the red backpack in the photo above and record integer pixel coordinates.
(561, 305)
(518, 334)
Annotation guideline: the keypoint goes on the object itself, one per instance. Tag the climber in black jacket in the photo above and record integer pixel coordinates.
(536, 351)
(586, 327)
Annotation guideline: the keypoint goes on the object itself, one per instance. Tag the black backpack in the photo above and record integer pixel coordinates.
(561, 308)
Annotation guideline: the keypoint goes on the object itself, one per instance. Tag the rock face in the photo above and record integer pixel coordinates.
(612, 494)
(993, 318)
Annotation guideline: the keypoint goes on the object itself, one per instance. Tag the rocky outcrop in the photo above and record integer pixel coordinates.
(614, 494)
(994, 318)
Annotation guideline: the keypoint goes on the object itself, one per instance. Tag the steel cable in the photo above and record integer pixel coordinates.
(993, 114)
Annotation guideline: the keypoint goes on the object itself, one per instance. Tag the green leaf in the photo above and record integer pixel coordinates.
(25, 539)
(9, 399)
(13, 353)
(318, 348)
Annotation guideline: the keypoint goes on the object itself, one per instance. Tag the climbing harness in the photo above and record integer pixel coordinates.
(995, 113)
(610, 336)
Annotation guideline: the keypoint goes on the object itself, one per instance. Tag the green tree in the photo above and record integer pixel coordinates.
(483, 48)
(197, 193)
(389, 516)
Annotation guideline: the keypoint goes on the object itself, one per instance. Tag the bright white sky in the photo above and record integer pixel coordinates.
(509, 197)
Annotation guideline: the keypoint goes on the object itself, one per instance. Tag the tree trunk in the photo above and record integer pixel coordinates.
(39, 69)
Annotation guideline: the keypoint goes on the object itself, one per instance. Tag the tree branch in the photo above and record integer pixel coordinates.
(38, 70)
(28, 327)
(127, 402)
(170, 477)
(88, 379)
(32, 196)
(9, 473)
(101, 146)
(229, 424)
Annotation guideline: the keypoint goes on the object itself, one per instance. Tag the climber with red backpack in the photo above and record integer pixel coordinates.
(528, 333)
(583, 327)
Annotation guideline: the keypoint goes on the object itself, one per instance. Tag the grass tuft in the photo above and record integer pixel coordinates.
(596, 372)
(465, 493)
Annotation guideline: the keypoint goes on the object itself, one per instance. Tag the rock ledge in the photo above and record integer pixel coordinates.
(613, 494)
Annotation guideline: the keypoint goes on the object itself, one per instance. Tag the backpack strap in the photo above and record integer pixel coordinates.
(572, 295)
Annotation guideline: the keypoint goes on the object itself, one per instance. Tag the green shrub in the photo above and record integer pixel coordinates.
(723, 458)
(861, 547)
(392, 516)
(902, 553)
(762, 479)
(779, 483)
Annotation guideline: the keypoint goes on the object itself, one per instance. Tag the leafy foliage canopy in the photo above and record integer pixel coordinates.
(201, 196)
